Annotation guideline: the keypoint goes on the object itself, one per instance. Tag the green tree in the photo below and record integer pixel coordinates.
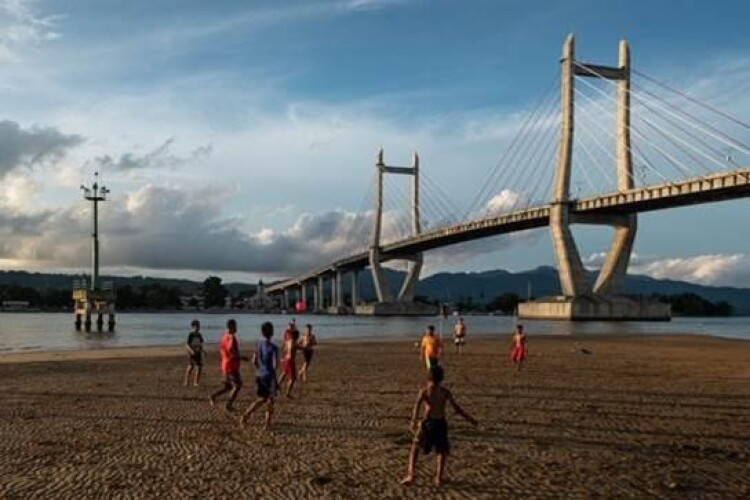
(506, 303)
(213, 292)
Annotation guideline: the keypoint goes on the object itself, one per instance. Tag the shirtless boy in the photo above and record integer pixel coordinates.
(433, 430)
(518, 347)
(459, 335)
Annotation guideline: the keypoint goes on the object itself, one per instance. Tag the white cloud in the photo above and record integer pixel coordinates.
(21, 27)
(711, 269)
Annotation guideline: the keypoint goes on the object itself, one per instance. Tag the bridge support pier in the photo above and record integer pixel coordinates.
(355, 289)
(579, 300)
(404, 301)
(285, 302)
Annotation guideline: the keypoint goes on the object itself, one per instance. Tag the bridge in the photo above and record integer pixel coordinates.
(678, 141)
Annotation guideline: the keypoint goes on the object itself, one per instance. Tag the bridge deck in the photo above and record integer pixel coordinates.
(692, 191)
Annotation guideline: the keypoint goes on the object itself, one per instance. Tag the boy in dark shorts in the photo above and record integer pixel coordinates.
(265, 359)
(433, 431)
(307, 344)
(230, 365)
(194, 347)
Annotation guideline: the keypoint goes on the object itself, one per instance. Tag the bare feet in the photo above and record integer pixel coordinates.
(195, 384)
(212, 401)
(439, 481)
(407, 481)
(243, 421)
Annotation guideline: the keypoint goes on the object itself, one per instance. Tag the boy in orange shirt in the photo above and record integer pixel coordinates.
(430, 348)
(230, 365)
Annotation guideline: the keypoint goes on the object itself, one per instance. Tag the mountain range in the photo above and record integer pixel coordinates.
(477, 287)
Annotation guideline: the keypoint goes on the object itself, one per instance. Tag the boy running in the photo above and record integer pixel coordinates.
(430, 348)
(459, 334)
(194, 347)
(433, 430)
(266, 360)
(230, 365)
(307, 344)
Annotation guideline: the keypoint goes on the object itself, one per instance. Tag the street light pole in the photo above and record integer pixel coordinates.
(95, 194)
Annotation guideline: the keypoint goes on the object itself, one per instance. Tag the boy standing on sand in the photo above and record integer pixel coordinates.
(459, 334)
(433, 431)
(266, 360)
(518, 347)
(307, 344)
(230, 365)
(194, 346)
(430, 348)
(289, 360)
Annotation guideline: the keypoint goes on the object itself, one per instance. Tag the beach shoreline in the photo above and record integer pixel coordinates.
(604, 416)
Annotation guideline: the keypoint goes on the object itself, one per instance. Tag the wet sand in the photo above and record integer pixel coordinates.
(665, 417)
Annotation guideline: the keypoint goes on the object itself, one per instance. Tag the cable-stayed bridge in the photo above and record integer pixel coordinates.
(668, 148)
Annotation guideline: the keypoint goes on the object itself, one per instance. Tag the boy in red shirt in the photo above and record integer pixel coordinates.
(230, 365)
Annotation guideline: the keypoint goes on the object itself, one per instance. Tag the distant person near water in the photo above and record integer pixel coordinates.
(266, 361)
(194, 347)
(518, 347)
(430, 348)
(307, 344)
(432, 432)
(289, 358)
(459, 335)
(230, 365)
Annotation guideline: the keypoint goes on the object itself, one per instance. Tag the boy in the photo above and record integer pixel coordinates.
(459, 333)
(194, 346)
(430, 348)
(266, 360)
(230, 365)
(433, 431)
(307, 344)
(289, 360)
(518, 347)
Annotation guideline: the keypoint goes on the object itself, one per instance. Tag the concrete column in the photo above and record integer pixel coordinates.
(615, 265)
(338, 295)
(378, 279)
(316, 298)
(321, 292)
(416, 224)
(569, 266)
(355, 288)
(285, 303)
(303, 292)
(409, 287)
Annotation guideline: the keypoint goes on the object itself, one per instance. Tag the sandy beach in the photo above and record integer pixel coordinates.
(606, 417)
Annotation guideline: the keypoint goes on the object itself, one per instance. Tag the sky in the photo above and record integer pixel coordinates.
(238, 138)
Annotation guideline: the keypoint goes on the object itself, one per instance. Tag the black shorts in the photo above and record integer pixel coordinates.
(233, 378)
(307, 355)
(433, 433)
(195, 359)
(266, 386)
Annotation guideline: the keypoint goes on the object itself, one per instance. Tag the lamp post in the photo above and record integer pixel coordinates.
(95, 194)
(94, 298)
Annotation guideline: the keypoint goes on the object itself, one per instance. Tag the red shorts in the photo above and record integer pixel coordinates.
(517, 354)
(289, 369)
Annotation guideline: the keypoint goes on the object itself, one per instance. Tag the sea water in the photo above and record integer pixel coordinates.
(55, 331)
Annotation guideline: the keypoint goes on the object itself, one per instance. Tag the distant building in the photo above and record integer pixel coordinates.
(15, 305)
(261, 301)
(192, 302)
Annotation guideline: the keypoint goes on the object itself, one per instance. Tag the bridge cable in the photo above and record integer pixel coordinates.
(675, 163)
(693, 100)
(520, 135)
(633, 149)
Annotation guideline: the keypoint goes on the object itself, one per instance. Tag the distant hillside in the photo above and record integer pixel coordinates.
(543, 281)
(42, 281)
(446, 287)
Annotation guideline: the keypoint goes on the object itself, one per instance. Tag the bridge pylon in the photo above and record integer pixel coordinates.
(581, 299)
(386, 301)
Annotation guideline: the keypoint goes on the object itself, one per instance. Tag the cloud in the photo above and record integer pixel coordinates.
(710, 269)
(372, 4)
(160, 157)
(21, 27)
(28, 147)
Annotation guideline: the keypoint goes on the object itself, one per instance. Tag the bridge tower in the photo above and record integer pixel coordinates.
(403, 303)
(580, 299)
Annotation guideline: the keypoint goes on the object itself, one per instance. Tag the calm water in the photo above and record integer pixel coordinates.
(54, 331)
